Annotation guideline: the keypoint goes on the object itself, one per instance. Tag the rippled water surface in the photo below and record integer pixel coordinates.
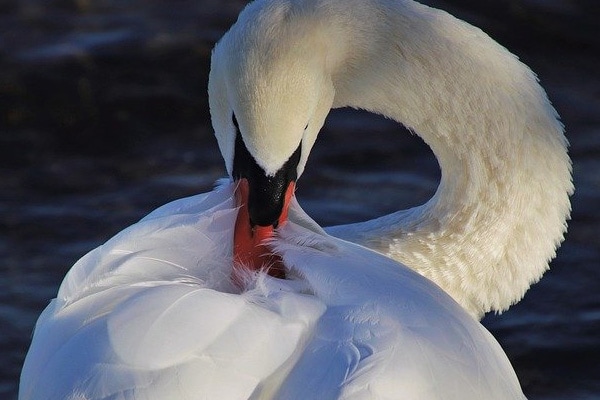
(104, 118)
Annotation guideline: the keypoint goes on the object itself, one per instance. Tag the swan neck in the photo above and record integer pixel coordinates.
(499, 212)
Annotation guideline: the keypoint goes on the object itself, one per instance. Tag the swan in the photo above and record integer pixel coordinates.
(239, 294)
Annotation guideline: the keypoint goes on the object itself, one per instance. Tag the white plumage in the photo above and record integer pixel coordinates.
(153, 313)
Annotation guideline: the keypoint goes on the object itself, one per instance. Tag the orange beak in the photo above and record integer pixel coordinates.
(250, 252)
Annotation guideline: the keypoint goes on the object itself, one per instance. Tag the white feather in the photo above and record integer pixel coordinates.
(153, 314)
(145, 317)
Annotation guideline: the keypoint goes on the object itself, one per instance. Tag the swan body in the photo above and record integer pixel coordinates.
(154, 313)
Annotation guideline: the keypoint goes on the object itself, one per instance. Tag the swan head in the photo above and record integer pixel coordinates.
(269, 94)
(269, 74)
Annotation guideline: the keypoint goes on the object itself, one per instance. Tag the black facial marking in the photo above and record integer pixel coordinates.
(267, 193)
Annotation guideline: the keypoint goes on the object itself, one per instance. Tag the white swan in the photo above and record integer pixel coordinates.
(155, 314)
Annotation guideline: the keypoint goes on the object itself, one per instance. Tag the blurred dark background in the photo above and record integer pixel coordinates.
(104, 116)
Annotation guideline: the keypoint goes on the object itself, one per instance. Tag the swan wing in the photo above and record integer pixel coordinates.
(388, 332)
(152, 314)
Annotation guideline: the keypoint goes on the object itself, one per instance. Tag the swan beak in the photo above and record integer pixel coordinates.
(251, 249)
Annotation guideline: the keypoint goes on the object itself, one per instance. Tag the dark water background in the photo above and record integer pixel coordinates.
(104, 116)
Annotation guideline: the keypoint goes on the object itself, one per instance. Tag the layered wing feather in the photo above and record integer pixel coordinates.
(152, 314)
(388, 332)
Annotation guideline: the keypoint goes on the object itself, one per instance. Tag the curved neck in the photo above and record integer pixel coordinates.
(500, 210)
